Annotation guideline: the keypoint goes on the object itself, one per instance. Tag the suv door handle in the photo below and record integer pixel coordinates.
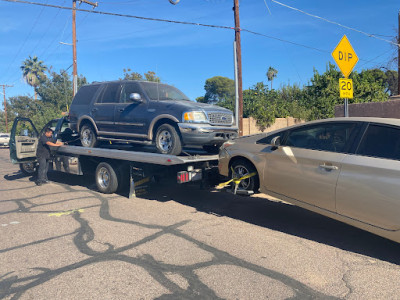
(329, 167)
(120, 109)
(94, 109)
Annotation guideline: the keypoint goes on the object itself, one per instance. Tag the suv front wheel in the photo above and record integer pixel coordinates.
(88, 136)
(168, 140)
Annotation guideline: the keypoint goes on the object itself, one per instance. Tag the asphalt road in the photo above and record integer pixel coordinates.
(64, 240)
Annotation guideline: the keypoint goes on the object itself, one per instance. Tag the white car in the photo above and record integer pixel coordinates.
(4, 139)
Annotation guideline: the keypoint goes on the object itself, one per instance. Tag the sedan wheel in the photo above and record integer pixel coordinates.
(242, 168)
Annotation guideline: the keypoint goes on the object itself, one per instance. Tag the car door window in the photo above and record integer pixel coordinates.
(109, 94)
(333, 137)
(128, 89)
(381, 141)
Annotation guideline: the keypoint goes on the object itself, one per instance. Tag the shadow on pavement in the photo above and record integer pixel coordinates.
(281, 217)
(257, 210)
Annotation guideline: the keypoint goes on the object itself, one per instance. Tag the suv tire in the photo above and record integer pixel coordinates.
(168, 140)
(88, 136)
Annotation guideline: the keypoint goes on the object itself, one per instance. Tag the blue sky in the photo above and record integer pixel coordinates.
(185, 56)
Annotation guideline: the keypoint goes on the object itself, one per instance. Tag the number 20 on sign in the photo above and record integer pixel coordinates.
(346, 88)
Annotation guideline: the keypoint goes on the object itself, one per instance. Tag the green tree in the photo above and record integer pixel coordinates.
(271, 74)
(219, 89)
(33, 71)
(392, 82)
(57, 90)
(148, 76)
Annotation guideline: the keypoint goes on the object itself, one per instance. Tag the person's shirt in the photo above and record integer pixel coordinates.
(43, 150)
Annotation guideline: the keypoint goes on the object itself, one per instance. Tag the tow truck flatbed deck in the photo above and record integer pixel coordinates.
(135, 156)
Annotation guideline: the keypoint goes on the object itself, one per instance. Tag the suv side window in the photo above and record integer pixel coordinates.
(85, 94)
(127, 89)
(109, 94)
(380, 141)
(333, 137)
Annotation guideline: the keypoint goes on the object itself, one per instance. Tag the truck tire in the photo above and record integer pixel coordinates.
(168, 140)
(88, 136)
(28, 168)
(241, 168)
(106, 178)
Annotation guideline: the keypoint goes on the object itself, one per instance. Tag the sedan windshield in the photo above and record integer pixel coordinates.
(157, 91)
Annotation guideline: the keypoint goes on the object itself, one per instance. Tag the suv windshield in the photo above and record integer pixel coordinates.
(157, 91)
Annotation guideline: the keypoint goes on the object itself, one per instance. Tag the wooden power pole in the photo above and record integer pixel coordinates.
(5, 103)
(239, 64)
(398, 58)
(74, 58)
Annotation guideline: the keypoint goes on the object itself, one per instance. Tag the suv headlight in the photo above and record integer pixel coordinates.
(195, 117)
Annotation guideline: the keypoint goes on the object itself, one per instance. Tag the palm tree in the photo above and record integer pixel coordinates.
(271, 74)
(33, 71)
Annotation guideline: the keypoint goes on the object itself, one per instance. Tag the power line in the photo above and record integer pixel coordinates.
(175, 22)
(335, 23)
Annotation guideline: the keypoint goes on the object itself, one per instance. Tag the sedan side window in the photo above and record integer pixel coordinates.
(331, 137)
(109, 93)
(381, 141)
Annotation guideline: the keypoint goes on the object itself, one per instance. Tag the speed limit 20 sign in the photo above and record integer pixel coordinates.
(346, 88)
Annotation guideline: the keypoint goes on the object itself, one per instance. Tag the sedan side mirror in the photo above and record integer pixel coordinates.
(135, 97)
(276, 142)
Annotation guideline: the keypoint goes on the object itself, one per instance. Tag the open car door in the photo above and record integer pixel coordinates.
(23, 141)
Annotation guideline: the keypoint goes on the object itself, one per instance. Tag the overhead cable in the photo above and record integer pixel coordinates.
(168, 21)
(336, 23)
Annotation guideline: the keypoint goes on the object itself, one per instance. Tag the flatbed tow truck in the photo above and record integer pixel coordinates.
(112, 167)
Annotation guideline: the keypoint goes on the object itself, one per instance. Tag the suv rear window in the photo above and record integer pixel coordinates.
(85, 94)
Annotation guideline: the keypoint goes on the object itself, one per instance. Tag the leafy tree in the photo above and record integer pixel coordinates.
(57, 90)
(148, 76)
(271, 74)
(219, 89)
(33, 71)
(392, 82)
(151, 76)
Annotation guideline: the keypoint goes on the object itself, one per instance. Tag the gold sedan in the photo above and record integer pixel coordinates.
(347, 169)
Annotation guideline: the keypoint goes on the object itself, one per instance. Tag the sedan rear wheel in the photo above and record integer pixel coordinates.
(242, 168)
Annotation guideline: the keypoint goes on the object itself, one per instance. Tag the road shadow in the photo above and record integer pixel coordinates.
(257, 210)
(282, 217)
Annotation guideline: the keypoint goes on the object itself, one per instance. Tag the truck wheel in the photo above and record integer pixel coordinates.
(168, 140)
(242, 168)
(106, 178)
(88, 136)
(28, 168)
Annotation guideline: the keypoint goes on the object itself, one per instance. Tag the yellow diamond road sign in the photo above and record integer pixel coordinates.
(345, 56)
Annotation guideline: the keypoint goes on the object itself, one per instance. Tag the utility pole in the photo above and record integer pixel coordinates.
(74, 59)
(239, 64)
(398, 59)
(5, 102)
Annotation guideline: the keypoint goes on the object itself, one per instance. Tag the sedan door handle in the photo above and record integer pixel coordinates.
(329, 167)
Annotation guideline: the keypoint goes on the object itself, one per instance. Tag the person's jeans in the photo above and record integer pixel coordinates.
(43, 168)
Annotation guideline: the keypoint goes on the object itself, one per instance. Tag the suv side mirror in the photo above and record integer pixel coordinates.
(135, 97)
